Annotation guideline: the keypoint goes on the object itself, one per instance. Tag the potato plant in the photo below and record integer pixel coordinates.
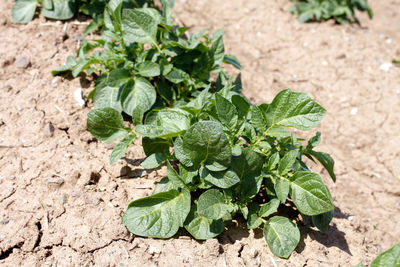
(225, 157)
(342, 11)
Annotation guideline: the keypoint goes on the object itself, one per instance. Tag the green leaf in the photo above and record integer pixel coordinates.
(211, 204)
(326, 160)
(23, 11)
(282, 187)
(167, 6)
(153, 161)
(138, 26)
(226, 111)
(282, 236)
(297, 110)
(217, 51)
(107, 97)
(106, 124)
(273, 161)
(309, 193)
(174, 177)
(120, 149)
(155, 145)
(249, 163)
(253, 220)
(180, 153)
(177, 76)
(286, 163)
(163, 186)
(242, 105)
(69, 65)
(277, 131)
(322, 221)
(201, 227)
(223, 179)
(390, 257)
(159, 215)
(148, 69)
(269, 208)
(258, 118)
(231, 59)
(61, 10)
(206, 143)
(137, 98)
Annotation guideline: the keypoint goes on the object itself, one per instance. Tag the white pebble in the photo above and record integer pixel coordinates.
(386, 66)
(78, 97)
(354, 111)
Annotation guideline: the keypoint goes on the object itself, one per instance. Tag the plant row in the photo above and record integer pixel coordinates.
(226, 158)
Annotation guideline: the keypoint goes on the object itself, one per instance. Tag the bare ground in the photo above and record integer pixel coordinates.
(61, 202)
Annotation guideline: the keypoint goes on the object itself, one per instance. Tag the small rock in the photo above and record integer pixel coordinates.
(351, 218)
(68, 155)
(79, 37)
(49, 129)
(386, 66)
(354, 111)
(78, 97)
(154, 250)
(55, 80)
(55, 181)
(4, 221)
(96, 201)
(23, 63)
(253, 252)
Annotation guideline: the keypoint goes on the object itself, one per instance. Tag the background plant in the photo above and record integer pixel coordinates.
(390, 257)
(225, 157)
(342, 11)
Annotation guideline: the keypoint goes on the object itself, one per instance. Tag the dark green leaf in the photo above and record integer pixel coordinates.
(322, 221)
(231, 59)
(201, 227)
(242, 105)
(226, 111)
(108, 97)
(310, 194)
(269, 208)
(211, 204)
(326, 160)
(282, 236)
(253, 220)
(159, 215)
(155, 145)
(206, 143)
(106, 124)
(223, 179)
(174, 177)
(217, 51)
(273, 161)
(69, 65)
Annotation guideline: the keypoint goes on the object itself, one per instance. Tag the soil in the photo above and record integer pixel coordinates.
(61, 202)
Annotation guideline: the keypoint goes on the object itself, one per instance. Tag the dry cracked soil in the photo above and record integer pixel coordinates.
(61, 202)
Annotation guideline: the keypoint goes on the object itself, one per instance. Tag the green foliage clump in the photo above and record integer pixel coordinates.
(342, 11)
(225, 157)
(390, 257)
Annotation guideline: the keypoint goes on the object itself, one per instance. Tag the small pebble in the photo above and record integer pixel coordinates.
(23, 63)
(78, 97)
(154, 250)
(354, 111)
(386, 66)
(351, 218)
(64, 198)
(55, 181)
(253, 252)
(4, 221)
(79, 37)
(49, 129)
(68, 155)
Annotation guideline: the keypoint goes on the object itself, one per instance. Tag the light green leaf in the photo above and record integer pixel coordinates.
(153, 161)
(167, 6)
(282, 187)
(177, 76)
(309, 193)
(390, 257)
(137, 98)
(217, 51)
(273, 161)
(258, 118)
(201, 227)
(226, 111)
(138, 26)
(322, 221)
(297, 110)
(106, 124)
(282, 236)
(174, 177)
(180, 153)
(108, 97)
(269, 208)
(159, 215)
(206, 143)
(148, 69)
(277, 131)
(61, 10)
(223, 179)
(211, 204)
(69, 65)
(163, 186)
(253, 220)
(120, 149)
(286, 163)
(242, 105)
